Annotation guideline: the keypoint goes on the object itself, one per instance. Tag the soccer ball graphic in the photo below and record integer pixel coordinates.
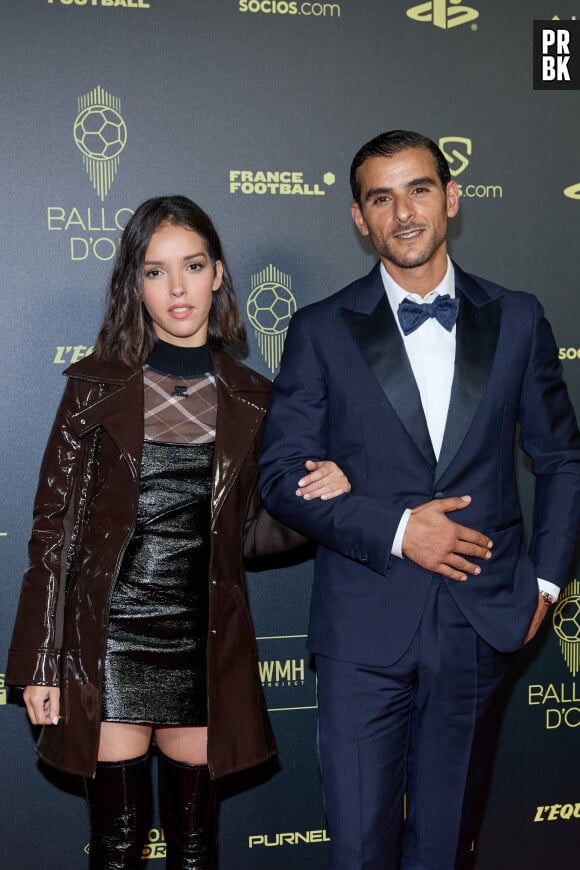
(567, 619)
(100, 133)
(270, 307)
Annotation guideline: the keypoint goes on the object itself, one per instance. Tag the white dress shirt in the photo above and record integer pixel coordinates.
(431, 353)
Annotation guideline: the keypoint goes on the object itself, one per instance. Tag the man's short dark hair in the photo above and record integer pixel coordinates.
(393, 142)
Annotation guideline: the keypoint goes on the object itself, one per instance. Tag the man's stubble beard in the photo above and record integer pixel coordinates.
(385, 251)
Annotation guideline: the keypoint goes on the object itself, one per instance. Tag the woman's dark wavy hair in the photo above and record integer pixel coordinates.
(126, 334)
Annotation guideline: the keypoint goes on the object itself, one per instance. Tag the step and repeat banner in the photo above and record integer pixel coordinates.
(254, 108)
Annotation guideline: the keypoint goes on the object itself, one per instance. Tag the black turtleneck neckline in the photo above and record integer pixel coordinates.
(183, 362)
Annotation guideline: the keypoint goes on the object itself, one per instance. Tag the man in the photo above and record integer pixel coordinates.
(423, 586)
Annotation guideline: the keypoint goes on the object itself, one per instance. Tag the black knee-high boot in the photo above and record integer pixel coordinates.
(187, 811)
(119, 805)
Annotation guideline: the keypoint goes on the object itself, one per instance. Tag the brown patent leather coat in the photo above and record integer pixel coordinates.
(84, 515)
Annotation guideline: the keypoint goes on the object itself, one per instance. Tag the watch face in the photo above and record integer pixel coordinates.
(549, 599)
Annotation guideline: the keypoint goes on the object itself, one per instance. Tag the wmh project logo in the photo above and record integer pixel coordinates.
(556, 55)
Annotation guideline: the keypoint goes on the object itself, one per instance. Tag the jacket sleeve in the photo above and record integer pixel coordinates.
(355, 525)
(265, 536)
(549, 436)
(34, 655)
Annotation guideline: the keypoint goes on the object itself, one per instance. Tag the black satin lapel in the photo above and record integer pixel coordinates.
(382, 347)
(477, 335)
(238, 420)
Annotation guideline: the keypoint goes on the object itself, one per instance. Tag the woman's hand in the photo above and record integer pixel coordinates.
(42, 704)
(325, 480)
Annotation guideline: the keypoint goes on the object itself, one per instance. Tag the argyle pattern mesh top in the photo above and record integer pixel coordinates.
(179, 410)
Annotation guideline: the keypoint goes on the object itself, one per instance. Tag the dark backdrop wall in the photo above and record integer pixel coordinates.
(254, 109)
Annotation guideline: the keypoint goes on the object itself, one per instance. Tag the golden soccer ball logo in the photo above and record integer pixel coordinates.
(270, 306)
(566, 621)
(100, 134)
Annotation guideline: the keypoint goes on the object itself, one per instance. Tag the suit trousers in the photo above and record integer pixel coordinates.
(423, 728)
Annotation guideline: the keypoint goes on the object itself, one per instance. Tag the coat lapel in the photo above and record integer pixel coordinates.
(375, 332)
(241, 408)
(477, 333)
(119, 410)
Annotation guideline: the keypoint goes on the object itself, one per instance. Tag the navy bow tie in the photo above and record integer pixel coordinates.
(412, 315)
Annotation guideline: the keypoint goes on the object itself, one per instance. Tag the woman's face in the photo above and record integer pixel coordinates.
(179, 280)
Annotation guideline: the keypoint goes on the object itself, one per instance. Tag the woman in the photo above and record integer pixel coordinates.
(133, 619)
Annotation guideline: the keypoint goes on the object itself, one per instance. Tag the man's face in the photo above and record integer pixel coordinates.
(404, 209)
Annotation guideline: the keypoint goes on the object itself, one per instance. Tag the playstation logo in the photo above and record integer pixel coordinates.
(573, 192)
(443, 13)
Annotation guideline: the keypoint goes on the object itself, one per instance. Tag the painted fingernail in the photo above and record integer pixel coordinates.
(477, 570)
(301, 482)
(55, 720)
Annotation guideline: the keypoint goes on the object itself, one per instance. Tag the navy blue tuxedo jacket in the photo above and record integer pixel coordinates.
(346, 391)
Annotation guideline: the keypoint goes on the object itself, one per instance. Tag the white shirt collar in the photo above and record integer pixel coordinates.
(396, 294)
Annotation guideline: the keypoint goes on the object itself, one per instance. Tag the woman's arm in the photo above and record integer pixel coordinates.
(265, 536)
(34, 656)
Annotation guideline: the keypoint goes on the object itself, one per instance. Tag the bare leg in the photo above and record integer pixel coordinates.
(123, 740)
(182, 743)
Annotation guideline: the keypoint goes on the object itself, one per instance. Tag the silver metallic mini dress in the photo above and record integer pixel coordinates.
(155, 662)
